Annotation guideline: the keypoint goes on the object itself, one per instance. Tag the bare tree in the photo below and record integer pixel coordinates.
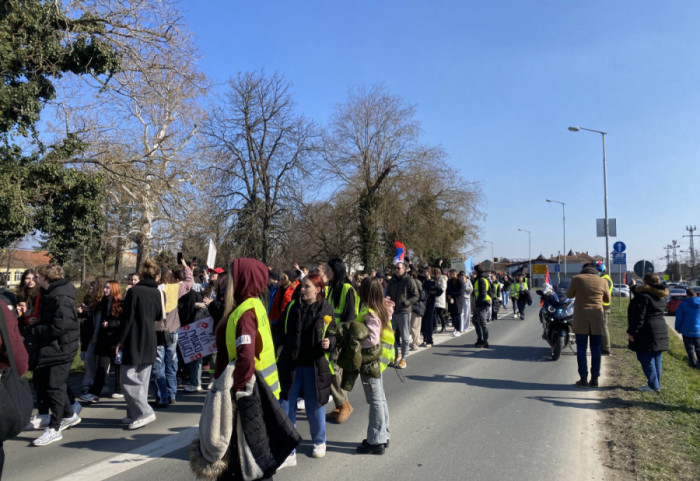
(139, 123)
(372, 139)
(258, 146)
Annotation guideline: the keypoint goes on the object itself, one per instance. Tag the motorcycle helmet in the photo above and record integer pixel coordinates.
(600, 266)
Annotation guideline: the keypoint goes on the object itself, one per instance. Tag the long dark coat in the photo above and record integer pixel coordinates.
(137, 332)
(57, 331)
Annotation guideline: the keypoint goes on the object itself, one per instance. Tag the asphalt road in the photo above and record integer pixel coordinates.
(460, 413)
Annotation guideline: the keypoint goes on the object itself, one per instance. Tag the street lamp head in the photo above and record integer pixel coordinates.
(574, 129)
(548, 200)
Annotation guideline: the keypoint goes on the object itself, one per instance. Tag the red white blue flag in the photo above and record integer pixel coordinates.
(546, 278)
(400, 251)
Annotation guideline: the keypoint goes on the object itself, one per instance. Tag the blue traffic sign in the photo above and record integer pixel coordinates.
(619, 258)
(557, 268)
(619, 246)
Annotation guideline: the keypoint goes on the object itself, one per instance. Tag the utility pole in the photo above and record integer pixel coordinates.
(691, 229)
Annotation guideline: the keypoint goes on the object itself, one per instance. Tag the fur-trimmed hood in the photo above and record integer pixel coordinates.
(657, 291)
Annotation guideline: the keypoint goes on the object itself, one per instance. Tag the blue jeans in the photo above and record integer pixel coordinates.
(505, 295)
(651, 365)
(378, 428)
(305, 381)
(401, 324)
(582, 347)
(165, 372)
(195, 370)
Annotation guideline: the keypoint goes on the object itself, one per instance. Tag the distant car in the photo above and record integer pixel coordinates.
(621, 290)
(675, 297)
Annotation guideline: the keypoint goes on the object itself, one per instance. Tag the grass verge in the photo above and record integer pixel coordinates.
(650, 436)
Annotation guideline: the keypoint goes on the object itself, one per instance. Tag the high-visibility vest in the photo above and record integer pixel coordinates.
(323, 336)
(487, 297)
(340, 308)
(386, 339)
(610, 287)
(515, 289)
(265, 364)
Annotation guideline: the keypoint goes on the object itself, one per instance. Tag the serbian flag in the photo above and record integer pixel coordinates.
(400, 251)
(546, 278)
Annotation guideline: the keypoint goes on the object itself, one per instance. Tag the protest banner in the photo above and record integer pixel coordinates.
(197, 340)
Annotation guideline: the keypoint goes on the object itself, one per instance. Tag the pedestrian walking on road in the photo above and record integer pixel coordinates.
(377, 353)
(57, 334)
(647, 330)
(482, 302)
(589, 291)
(403, 292)
(143, 307)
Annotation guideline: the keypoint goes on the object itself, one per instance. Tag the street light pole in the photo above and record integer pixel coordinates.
(529, 254)
(605, 187)
(492, 256)
(563, 215)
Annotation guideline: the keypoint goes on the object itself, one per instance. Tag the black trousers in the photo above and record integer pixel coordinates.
(103, 363)
(52, 391)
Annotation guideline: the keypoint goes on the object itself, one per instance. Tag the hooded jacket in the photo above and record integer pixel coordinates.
(645, 319)
(57, 331)
(249, 280)
(688, 317)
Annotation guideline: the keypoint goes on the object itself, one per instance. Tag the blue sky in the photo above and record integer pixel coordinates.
(496, 84)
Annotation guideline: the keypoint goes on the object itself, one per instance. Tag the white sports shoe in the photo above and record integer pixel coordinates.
(70, 422)
(319, 450)
(49, 436)
(141, 422)
(191, 388)
(38, 421)
(117, 395)
(289, 462)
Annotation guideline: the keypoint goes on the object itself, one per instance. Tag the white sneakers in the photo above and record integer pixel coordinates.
(456, 333)
(70, 422)
(49, 436)
(289, 462)
(38, 421)
(141, 422)
(319, 450)
(117, 395)
(191, 388)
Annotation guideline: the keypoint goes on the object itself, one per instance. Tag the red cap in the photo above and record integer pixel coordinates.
(217, 270)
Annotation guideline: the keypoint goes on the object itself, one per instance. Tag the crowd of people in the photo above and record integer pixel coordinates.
(307, 334)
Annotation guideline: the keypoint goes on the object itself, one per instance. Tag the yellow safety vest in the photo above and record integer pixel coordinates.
(487, 297)
(340, 308)
(610, 287)
(265, 365)
(515, 289)
(386, 339)
(323, 336)
(171, 291)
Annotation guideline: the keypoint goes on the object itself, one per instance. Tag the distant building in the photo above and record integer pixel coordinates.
(13, 262)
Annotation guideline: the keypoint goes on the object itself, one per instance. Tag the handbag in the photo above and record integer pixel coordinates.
(16, 402)
(163, 336)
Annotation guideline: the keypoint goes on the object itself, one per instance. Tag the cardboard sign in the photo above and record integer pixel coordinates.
(197, 340)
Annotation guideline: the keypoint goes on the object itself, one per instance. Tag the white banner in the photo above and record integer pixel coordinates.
(197, 340)
(211, 256)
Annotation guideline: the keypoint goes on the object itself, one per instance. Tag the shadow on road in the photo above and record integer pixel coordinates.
(511, 353)
(495, 383)
(580, 403)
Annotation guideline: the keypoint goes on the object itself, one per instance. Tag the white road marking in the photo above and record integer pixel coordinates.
(115, 465)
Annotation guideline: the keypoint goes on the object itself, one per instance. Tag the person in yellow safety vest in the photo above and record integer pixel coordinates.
(482, 303)
(605, 348)
(343, 298)
(516, 292)
(377, 353)
(303, 364)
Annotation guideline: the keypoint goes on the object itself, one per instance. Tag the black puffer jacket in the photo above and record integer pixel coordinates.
(645, 319)
(302, 347)
(57, 331)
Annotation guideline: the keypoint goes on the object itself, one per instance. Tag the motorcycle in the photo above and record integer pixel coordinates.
(557, 317)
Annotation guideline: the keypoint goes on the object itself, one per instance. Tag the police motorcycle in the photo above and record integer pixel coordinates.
(557, 317)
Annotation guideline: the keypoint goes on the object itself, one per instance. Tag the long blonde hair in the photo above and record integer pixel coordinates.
(229, 300)
(372, 296)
